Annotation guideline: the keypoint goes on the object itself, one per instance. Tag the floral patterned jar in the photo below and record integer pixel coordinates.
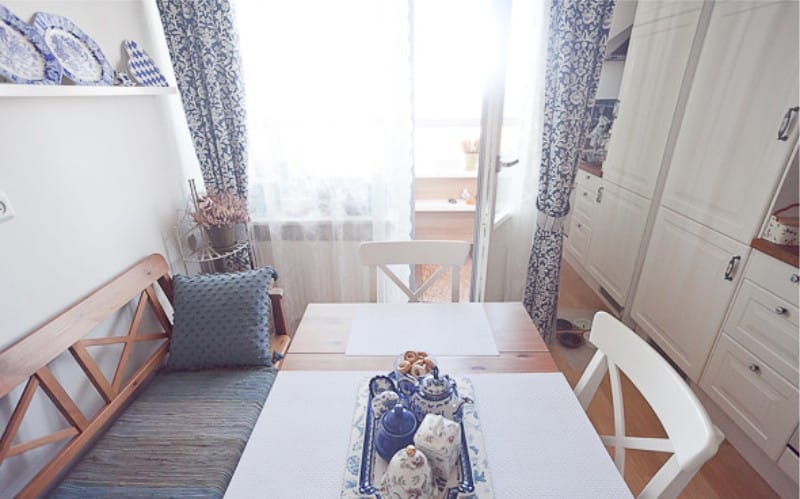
(408, 476)
(440, 440)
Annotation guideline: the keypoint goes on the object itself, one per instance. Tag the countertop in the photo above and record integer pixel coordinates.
(595, 169)
(784, 253)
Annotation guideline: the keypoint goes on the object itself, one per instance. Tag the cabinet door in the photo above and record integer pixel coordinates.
(619, 223)
(684, 289)
(760, 401)
(580, 234)
(727, 158)
(658, 52)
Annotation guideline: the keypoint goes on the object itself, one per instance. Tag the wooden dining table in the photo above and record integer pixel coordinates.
(321, 339)
(536, 437)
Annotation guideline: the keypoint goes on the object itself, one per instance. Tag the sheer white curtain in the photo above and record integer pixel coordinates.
(527, 53)
(328, 88)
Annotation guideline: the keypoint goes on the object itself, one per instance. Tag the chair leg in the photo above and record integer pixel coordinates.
(455, 285)
(619, 416)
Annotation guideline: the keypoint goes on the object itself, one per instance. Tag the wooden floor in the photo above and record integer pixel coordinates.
(726, 475)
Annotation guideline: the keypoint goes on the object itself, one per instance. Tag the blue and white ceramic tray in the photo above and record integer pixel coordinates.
(364, 469)
(80, 56)
(24, 55)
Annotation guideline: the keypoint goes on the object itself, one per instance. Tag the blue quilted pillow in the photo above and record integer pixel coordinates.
(221, 320)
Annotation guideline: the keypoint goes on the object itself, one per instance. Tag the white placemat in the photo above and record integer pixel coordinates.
(437, 328)
(538, 440)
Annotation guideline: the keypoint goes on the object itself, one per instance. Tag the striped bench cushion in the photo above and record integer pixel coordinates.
(182, 437)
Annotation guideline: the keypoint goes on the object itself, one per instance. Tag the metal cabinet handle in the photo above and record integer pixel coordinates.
(754, 368)
(599, 194)
(780, 310)
(795, 278)
(731, 268)
(786, 123)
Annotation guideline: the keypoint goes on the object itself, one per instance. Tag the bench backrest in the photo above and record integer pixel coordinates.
(26, 361)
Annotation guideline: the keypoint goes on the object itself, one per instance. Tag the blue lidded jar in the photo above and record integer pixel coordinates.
(395, 431)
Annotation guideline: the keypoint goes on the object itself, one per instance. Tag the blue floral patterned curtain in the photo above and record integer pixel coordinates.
(575, 52)
(204, 48)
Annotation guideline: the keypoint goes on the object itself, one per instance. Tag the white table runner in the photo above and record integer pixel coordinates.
(437, 328)
(538, 440)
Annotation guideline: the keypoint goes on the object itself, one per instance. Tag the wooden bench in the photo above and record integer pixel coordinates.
(26, 361)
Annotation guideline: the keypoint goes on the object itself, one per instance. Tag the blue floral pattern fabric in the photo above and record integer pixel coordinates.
(575, 52)
(204, 49)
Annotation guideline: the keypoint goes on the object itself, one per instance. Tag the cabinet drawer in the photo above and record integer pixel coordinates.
(586, 193)
(767, 326)
(757, 398)
(774, 275)
(585, 201)
(788, 462)
(580, 234)
(587, 180)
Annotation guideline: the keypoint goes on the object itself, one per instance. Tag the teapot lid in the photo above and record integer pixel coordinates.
(399, 420)
(432, 385)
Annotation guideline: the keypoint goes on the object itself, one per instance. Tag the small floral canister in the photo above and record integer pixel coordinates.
(408, 476)
(440, 439)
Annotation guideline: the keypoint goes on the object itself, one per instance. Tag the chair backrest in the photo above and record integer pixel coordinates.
(446, 254)
(691, 436)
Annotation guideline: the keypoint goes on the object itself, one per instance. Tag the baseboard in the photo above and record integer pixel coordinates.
(763, 464)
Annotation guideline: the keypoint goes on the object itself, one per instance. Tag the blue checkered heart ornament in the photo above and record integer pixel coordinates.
(141, 67)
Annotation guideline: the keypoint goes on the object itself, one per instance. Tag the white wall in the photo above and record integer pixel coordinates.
(96, 183)
(610, 78)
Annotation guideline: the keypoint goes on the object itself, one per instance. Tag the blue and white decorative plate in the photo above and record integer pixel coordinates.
(24, 56)
(80, 56)
(141, 67)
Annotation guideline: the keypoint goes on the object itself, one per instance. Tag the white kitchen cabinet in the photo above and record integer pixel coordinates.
(619, 221)
(660, 43)
(579, 228)
(686, 284)
(727, 158)
(758, 399)
(580, 235)
(753, 368)
(767, 326)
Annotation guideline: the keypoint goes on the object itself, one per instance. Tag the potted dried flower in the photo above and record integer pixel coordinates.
(470, 148)
(218, 213)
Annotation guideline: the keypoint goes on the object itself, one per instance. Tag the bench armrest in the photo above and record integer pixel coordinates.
(280, 343)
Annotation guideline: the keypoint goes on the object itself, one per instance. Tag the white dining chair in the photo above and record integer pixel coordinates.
(447, 254)
(691, 437)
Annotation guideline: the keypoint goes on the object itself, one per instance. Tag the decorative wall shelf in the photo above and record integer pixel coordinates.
(14, 90)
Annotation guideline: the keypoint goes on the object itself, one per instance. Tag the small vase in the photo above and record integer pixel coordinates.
(222, 237)
(471, 161)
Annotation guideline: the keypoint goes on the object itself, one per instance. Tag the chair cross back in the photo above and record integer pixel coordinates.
(446, 254)
(692, 438)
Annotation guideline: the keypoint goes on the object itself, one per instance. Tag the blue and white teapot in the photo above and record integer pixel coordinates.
(436, 394)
